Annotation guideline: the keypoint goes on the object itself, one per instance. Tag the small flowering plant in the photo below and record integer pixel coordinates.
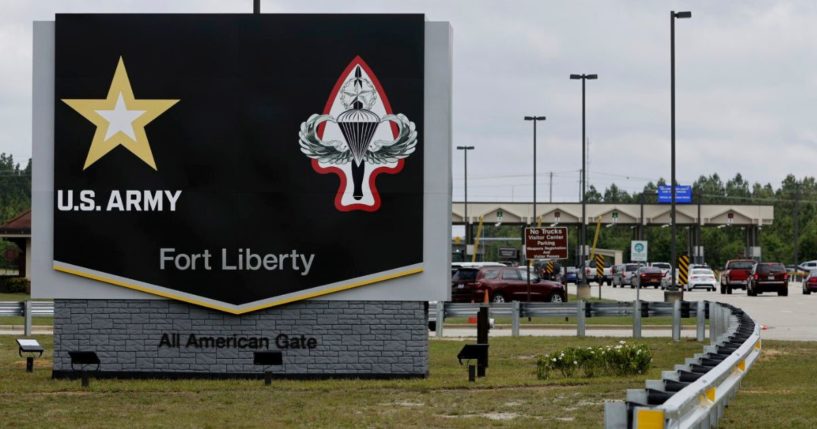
(620, 359)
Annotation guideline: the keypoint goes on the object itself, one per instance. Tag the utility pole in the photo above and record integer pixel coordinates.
(550, 184)
(796, 223)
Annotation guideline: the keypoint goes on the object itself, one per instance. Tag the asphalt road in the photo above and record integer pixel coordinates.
(792, 317)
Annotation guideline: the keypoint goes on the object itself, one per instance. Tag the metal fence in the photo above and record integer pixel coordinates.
(697, 392)
(581, 310)
(27, 309)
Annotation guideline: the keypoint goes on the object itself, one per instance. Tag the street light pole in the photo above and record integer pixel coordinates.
(534, 119)
(673, 256)
(583, 231)
(465, 150)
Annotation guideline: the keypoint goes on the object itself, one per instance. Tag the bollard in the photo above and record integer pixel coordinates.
(483, 326)
(676, 320)
(580, 321)
(701, 313)
(637, 319)
(440, 318)
(515, 315)
(27, 308)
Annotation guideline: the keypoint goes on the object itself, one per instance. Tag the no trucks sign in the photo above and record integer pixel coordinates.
(546, 243)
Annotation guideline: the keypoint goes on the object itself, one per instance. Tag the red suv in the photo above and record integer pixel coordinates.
(736, 274)
(506, 284)
(768, 277)
(810, 283)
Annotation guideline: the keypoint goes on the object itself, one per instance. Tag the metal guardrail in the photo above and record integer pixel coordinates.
(696, 393)
(580, 310)
(27, 309)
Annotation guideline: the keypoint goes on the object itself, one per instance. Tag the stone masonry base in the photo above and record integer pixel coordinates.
(153, 338)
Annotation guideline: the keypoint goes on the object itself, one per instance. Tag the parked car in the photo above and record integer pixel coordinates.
(647, 276)
(768, 277)
(808, 266)
(701, 278)
(736, 274)
(810, 283)
(506, 284)
(664, 266)
(624, 274)
(570, 275)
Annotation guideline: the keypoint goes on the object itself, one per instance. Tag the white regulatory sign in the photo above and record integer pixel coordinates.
(638, 251)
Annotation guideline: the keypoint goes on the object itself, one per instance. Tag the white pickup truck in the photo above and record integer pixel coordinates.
(590, 274)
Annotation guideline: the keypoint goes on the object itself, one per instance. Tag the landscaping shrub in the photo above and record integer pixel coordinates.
(15, 285)
(620, 359)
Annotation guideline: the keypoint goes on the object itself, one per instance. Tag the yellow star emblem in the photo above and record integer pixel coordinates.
(120, 119)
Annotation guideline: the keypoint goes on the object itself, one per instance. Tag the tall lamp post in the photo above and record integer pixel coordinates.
(583, 232)
(465, 150)
(533, 119)
(673, 288)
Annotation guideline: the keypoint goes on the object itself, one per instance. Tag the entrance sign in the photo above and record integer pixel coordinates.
(242, 163)
(683, 194)
(546, 243)
(638, 251)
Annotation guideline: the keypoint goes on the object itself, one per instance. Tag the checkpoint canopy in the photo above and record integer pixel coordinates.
(243, 161)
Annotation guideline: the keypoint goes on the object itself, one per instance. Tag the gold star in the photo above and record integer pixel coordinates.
(120, 119)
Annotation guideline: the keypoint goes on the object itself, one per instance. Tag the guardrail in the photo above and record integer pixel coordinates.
(27, 309)
(696, 393)
(581, 310)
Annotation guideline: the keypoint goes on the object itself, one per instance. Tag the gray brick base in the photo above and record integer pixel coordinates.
(353, 338)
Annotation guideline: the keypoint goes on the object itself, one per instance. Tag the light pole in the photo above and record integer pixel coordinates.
(673, 288)
(465, 150)
(583, 232)
(534, 119)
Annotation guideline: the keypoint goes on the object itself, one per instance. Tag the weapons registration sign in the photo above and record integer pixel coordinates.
(238, 162)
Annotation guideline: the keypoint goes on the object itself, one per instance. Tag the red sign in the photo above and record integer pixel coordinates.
(546, 243)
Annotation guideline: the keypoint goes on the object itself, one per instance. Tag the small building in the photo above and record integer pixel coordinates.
(18, 231)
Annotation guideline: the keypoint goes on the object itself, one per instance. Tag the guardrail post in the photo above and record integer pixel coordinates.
(714, 315)
(637, 319)
(27, 309)
(580, 318)
(515, 317)
(701, 313)
(676, 320)
(440, 318)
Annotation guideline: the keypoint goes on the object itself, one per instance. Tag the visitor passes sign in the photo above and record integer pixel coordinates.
(238, 161)
(546, 243)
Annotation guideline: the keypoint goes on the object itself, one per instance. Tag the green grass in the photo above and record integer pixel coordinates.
(779, 390)
(5, 296)
(445, 399)
(19, 320)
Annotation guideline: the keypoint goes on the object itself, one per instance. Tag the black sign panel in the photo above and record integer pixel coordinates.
(239, 161)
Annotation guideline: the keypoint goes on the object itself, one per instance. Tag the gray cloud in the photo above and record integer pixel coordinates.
(746, 85)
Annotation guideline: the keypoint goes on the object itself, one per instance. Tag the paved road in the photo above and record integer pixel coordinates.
(792, 317)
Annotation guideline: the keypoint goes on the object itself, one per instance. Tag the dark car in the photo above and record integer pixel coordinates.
(571, 275)
(768, 277)
(810, 283)
(506, 284)
(647, 276)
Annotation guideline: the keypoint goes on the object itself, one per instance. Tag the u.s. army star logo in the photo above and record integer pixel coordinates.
(120, 119)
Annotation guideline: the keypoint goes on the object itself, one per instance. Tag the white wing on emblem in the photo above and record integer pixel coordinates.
(328, 152)
(386, 151)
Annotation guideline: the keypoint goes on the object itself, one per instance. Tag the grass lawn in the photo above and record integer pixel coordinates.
(19, 320)
(779, 391)
(510, 396)
(5, 296)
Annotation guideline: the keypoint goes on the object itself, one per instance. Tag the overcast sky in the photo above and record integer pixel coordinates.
(746, 85)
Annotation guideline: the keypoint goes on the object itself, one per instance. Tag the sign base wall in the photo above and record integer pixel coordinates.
(150, 338)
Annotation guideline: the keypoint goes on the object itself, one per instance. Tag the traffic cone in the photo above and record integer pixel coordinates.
(486, 297)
